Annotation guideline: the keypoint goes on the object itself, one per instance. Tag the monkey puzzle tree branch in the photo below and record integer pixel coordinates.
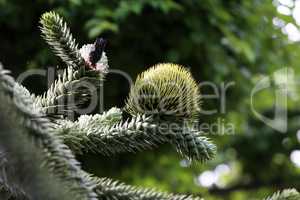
(35, 123)
(21, 170)
(108, 134)
(58, 158)
(68, 93)
(85, 68)
(57, 34)
(108, 189)
(8, 190)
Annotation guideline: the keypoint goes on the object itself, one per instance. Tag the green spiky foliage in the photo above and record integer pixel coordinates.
(166, 90)
(106, 133)
(77, 82)
(58, 157)
(36, 152)
(107, 189)
(8, 190)
(288, 194)
(68, 93)
(57, 34)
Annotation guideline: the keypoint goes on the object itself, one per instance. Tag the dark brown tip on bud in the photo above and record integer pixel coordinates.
(95, 55)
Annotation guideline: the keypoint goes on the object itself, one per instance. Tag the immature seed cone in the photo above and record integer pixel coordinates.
(166, 90)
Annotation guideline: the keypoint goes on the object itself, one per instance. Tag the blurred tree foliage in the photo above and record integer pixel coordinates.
(220, 41)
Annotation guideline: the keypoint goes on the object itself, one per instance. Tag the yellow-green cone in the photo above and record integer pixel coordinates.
(167, 90)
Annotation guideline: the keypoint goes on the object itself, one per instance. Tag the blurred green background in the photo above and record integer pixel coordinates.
(220, 41)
